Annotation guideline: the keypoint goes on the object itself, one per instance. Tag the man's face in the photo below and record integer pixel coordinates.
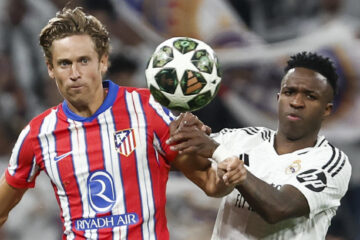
(304, 102)
(77, 69)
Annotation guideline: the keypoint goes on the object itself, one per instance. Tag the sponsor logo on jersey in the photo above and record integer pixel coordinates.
(313, 179)
(106, 221)
(294, 167)
(101, 191)
(125, 141)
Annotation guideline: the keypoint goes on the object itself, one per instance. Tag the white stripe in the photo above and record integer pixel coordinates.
(160, 111)
(127, 146)
(14, 156)
(112, 167)
(81, 168)
(138, 124)
(48, 146)
(33, 170)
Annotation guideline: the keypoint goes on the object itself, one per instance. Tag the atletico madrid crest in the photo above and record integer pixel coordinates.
(125, 141)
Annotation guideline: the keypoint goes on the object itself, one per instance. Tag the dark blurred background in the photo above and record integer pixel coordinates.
(252, 38)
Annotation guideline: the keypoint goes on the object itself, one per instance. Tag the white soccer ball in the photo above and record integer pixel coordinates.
(183, 74)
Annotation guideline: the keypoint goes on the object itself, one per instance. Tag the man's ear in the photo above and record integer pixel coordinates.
(104, 63)
(277, 96)
(328, 110)
(50, 69)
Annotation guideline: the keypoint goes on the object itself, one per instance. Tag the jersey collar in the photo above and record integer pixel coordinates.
(108, 102)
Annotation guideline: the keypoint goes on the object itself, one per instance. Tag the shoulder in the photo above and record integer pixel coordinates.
(148, 103)
(40, 118)
(255, 133)
(144, 92)
(335, 161)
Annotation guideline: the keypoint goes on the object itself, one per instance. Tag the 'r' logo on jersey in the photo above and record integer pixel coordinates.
(125, 141)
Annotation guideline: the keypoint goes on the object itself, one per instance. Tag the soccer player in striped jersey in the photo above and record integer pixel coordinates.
(295, 178)
(103, 148)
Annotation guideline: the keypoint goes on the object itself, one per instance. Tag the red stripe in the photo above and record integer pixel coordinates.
(159, 173)
(128, 168)
(96, 161)
(66, 171)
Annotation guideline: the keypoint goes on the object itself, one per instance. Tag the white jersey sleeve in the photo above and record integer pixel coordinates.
(321, 173)
(324, 178)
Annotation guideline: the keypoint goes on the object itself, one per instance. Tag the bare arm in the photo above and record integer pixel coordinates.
(197, 167)
(211, 181)
(272, 204)
(9, 197)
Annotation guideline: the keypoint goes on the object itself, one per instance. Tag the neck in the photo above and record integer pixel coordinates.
(88, 109)
(283, 144)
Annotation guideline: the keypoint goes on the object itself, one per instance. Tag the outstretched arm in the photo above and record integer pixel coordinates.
(197, 167)
(214, 182)
(272, 204)
(9, 197)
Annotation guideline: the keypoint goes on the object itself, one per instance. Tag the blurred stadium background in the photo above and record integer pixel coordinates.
(252, 38)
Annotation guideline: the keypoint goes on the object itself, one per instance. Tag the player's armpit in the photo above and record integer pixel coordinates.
(9, 197)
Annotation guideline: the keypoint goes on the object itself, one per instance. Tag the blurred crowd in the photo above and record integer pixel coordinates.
(265, 31)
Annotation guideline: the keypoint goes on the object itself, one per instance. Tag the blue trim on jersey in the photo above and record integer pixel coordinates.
(108, 102)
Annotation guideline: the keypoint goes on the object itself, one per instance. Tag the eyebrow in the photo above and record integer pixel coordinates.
(301, 90)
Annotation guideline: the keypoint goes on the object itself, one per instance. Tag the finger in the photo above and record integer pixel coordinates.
(233, 163)
(223, 165)
(236, 177)
(206, 129)
(183, 135)
(188, 137)
(175, 124)
(233, 171)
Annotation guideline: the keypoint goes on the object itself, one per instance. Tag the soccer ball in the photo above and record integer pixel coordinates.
(183, 74)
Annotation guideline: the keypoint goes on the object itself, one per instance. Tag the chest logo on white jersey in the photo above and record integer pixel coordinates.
(294, 167)
(101, 191)
(125, 141)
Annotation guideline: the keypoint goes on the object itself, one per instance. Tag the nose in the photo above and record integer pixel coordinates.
(297, 101)
(75, 74)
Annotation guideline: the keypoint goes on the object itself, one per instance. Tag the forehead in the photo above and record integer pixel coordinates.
(73, 46)
(306, 79)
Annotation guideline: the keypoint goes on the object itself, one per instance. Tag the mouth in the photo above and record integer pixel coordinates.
(75, 87)
(293, 117)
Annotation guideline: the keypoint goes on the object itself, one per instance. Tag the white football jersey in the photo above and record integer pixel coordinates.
(321, 173)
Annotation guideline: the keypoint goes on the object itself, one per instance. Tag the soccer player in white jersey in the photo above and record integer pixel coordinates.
(103, 147)
(293, 179)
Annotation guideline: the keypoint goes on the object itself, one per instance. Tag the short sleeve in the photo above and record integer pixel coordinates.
(323, 183)
(161, 119)
(21, 172)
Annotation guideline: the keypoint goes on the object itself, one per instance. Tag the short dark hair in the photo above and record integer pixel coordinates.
(70, 22)
(317, 63)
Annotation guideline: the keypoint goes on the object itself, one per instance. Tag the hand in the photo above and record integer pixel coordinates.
(232, 171)
(190, 139)
(186, 120)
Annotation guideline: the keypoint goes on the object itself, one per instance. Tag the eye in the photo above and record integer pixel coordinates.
(64, 63)
(311, 97)
(287, 92)
(84, 60)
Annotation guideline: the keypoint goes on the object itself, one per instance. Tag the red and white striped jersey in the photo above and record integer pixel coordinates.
(108, 171)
